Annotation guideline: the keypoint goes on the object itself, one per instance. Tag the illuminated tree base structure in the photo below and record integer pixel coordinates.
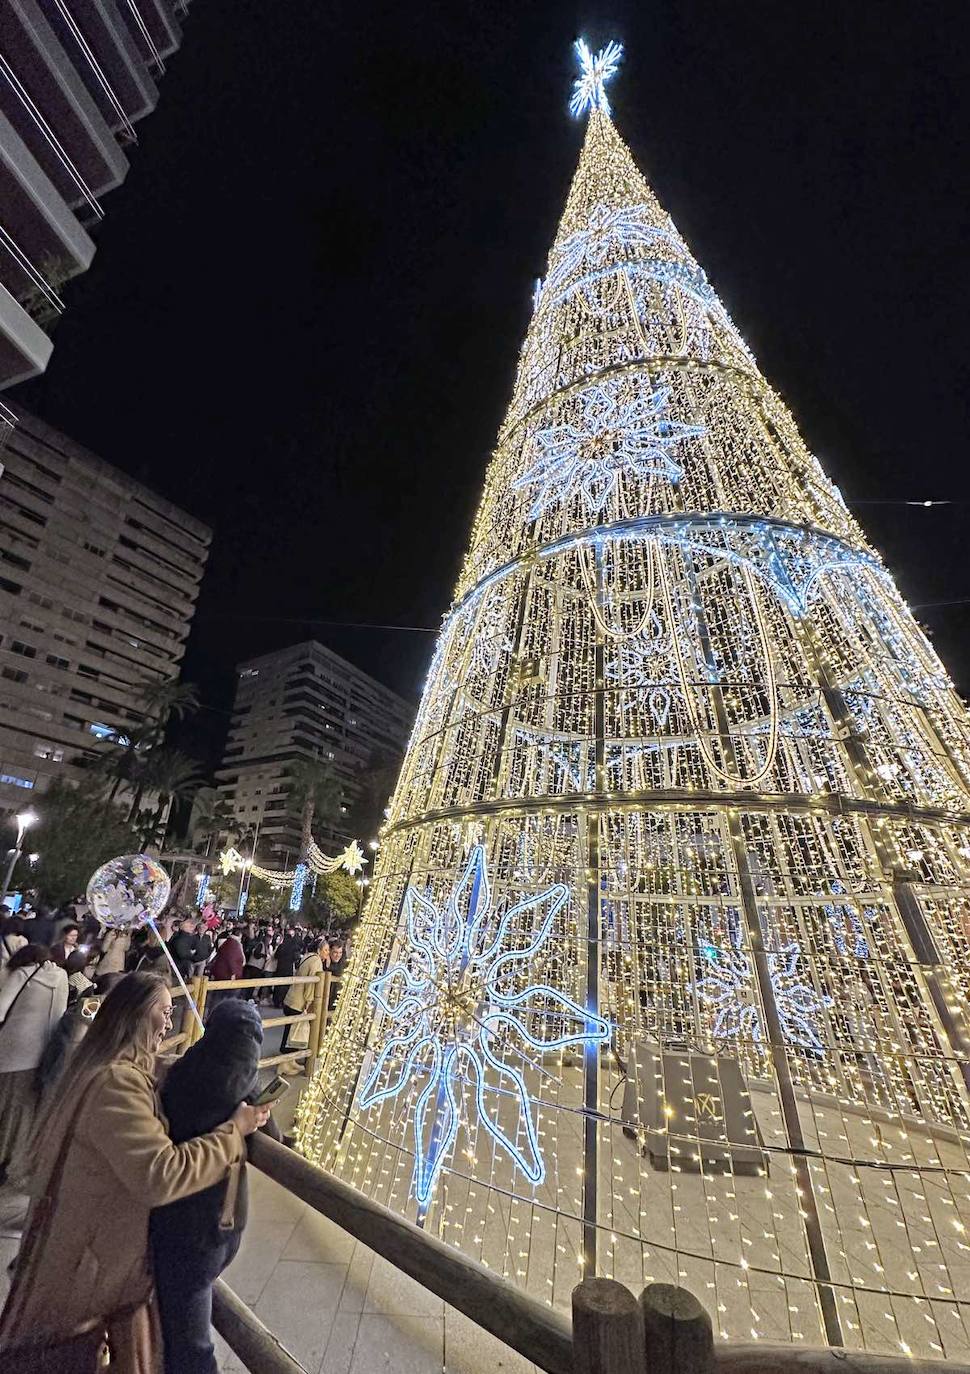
(664, 969)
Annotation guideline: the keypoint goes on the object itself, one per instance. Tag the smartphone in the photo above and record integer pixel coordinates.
(276, 1088)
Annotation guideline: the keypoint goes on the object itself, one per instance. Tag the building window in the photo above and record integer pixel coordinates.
(12, 587)
(49, 751)
(93, 548)
(25, 650)
(56, 662)
(15, 781)
(14, 675)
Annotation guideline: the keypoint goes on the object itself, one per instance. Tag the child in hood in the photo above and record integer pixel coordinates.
(194, 1239)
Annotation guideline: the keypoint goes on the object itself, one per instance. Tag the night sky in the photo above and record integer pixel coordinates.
(308, 297)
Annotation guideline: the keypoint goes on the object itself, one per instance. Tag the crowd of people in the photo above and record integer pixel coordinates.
(86, 1112)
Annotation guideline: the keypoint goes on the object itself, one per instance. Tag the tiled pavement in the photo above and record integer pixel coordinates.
(341, 1309)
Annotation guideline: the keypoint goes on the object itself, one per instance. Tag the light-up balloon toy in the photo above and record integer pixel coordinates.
(129, 892)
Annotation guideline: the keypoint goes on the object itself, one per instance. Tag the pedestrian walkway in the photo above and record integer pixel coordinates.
(341, 1309)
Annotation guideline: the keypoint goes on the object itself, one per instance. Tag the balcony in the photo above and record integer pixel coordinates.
(24, 347)
(48, 104)
(107, 58)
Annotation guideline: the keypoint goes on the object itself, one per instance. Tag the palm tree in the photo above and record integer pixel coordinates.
(160, 703)
(211, 814)
(317, 789)
(167, 701)
(173, 775)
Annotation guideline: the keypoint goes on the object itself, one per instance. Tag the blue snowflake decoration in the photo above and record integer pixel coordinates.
(455, 1016)
(613, 436)
(797, 1003)
(729, 987)
(589, 88)
(847, 924)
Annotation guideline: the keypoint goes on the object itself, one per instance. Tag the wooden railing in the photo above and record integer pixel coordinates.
(664, 1331)
(317, 1016)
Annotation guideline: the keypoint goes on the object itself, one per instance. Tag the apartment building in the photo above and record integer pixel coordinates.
(75, 78)
(98, 582)
(305, 702)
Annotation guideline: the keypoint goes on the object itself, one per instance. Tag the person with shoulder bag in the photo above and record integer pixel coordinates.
(83, 1293)
(33, 998)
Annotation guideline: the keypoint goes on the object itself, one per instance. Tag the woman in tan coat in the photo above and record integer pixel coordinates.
(103, 1160)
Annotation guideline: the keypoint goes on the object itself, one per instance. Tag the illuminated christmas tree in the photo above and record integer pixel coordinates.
(663, 970)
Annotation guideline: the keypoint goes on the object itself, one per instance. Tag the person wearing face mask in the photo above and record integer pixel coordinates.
(83, 1287)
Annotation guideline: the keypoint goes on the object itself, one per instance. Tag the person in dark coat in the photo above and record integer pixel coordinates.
(183, 947)
(40, 928)
(194, 1239)
(288, 952)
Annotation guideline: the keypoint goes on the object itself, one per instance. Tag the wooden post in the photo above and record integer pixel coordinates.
(321, 997)
(200, 989)
(607, 1329)
(192, 1032)
(677, 1331)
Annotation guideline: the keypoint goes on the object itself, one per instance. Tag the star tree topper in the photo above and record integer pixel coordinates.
(461, 1009)
(589, 88)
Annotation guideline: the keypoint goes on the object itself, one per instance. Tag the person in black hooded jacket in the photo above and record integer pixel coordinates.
(194, 1239)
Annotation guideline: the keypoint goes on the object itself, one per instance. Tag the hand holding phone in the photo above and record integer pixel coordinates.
(275, 1089)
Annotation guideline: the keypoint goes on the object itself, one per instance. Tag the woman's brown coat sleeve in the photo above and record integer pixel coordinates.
(124, 1125)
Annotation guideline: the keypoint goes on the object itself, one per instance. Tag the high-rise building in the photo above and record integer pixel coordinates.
(74, 81)
(665, 968)
(304, 703)
(98, 582)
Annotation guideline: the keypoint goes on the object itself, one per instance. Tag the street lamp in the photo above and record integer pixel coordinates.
(24, 819)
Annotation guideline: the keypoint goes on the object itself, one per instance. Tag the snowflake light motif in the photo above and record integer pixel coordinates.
(798, 1003)
(847, 924)
(729, 987)
(589, 88)
(454, 1017)
(635, 669)
(613, 436)
(607, 234)
(490, 638)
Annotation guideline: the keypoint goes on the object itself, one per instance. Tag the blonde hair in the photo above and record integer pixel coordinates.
(122, 1028)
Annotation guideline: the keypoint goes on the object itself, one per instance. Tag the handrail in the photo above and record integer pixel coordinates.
(318, 1015)
(242, 1330)
(537, 1331)
(602, 1339)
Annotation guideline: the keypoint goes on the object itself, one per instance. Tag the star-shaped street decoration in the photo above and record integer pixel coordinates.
(352, 858)
(230, 861)
(459, 1011)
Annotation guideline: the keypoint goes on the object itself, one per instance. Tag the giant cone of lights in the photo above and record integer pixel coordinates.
(664, 967)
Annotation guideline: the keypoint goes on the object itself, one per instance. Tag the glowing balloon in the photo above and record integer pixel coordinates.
(129, 891)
